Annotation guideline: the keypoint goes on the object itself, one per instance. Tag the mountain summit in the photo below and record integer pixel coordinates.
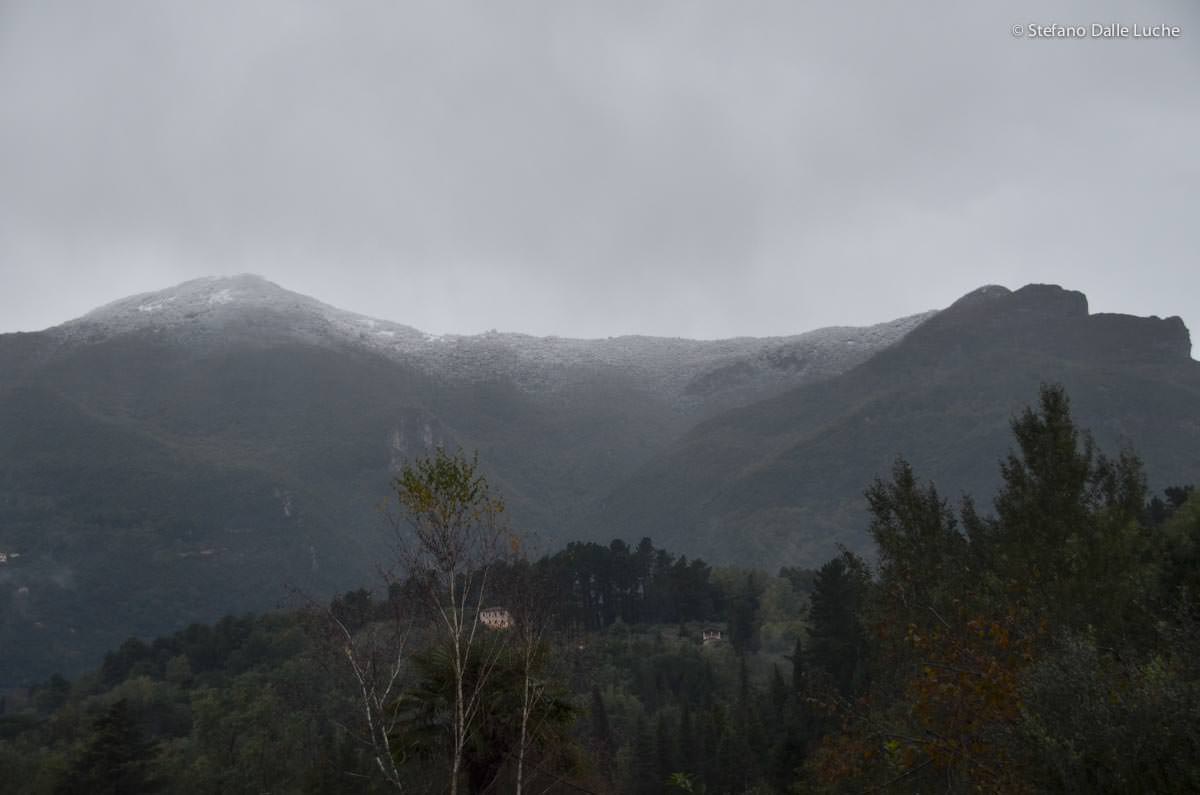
(201, 296)
(1048, 317)
(178, 455)
(234, 305)
(698, 375)
(185, 453)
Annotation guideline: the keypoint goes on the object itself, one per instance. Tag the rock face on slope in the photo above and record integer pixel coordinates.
(1056, 321)
(180, 454)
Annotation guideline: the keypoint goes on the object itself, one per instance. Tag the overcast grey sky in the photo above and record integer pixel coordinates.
(595, 168)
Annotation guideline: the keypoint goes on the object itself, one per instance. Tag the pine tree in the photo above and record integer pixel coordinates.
(837, 640)
(116, 757)
(743, 616)
(922, 555)
(1067, 520)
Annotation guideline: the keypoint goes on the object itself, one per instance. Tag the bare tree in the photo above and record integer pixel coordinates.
(450, 530)
(530, 607)
(356, 636)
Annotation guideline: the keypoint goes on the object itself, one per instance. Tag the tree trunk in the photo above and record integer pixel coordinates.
(524, 729)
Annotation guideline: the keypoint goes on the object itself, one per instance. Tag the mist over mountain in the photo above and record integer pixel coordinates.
(181, 454)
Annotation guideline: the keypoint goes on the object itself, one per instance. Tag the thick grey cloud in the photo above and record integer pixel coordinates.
(693, 168)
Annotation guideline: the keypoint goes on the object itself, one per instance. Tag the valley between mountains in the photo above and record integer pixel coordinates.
(209, 448)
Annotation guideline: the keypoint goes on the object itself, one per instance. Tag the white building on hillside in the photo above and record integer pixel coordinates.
(495, 617)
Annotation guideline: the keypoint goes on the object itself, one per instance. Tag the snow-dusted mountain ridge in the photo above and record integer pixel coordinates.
(205, 449)
(688, 371)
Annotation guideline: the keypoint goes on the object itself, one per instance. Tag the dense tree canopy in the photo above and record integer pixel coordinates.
(1046, 643)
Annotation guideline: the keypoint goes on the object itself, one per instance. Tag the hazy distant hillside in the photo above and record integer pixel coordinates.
(176, 455)
(781, 481)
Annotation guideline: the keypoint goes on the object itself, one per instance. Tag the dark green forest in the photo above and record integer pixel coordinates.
(1043, 640)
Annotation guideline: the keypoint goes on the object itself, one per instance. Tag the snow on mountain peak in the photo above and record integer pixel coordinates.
(196, 296)
(216, 302)
(219, 309)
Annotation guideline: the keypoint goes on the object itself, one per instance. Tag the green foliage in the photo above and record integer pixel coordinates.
(594, 586)
(492, 744)
(115, 759)
(1066, 530)
(1097, 722)
(236, 707)
(1047, 648)
(1050, 646)
(452, 512)
(744, 615)
(251, 703)
(837, 640)
(1180, 570)
(922, 556)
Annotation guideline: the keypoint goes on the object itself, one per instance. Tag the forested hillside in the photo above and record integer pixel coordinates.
(201, 450)
(1043, 640)
(191, 452)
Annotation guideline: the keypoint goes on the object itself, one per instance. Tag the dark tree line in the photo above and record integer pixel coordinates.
(592, 586)
(595, 585)
(1047, 643)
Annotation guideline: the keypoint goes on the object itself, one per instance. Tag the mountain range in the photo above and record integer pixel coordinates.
(220, 444)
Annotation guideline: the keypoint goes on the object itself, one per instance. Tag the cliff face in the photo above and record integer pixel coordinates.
(1054, 320)
(1166, 339)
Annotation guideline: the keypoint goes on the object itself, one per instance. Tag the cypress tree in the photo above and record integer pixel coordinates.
(778, 693)
(797, 660)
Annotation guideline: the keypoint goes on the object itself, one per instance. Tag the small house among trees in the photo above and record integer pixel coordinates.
(711, 636)
(496, 617)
